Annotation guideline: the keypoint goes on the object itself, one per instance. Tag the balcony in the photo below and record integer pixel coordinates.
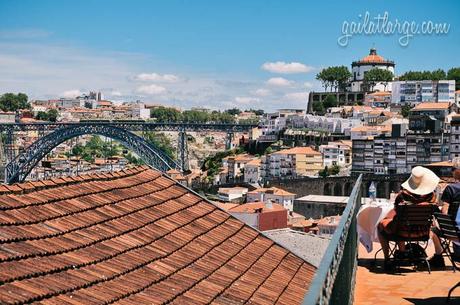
(347, 274)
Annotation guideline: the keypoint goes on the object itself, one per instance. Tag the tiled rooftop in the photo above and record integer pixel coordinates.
(135, 237)
(373, 286)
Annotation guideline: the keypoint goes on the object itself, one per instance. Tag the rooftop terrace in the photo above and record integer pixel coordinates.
(408, 287)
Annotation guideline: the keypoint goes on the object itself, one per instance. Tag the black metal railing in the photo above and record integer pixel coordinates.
(334, 281)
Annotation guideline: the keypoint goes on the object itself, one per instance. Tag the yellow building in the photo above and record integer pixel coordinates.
(293, 162)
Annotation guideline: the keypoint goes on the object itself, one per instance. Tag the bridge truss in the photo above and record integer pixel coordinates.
(50, 135)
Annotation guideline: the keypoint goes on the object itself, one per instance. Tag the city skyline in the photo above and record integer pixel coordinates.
(246, 55)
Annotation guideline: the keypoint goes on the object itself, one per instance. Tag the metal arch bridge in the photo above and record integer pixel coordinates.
(53, 134)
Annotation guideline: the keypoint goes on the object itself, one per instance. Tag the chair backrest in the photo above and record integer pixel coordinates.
(453, 208)
(414, 220)
(447, 226)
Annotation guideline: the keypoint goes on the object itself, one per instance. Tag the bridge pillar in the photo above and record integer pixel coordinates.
(228, 141)
(9, 145)
(182, 151)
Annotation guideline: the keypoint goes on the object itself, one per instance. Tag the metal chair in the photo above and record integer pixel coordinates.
(412, 226)
(448, 232)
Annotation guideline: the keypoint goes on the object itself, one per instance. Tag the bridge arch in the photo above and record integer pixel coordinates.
(327, 189)
(338, 189)
(18, 169)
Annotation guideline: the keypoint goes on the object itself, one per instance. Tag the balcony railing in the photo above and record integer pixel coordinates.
(334, 281)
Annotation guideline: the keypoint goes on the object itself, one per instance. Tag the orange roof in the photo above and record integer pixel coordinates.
(372, 58)
(272, 190)
(241, 157)
(299, 150)
(225, 206)
(431, 106)
(329, 221)
(252, 207)
(173, 172)
(366, 128)
(135, 237)
(302, 223)
(254, 162)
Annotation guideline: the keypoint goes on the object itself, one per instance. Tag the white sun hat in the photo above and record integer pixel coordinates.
(422, 181)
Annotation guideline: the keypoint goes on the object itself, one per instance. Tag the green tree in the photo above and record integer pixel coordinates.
(233, 111)
(335, 77)
(454, 74)
(14, 102)
(329, 171)
(318, 107)
(376, 75)
(77, 150)
(166, 114)
(257, 112)
(161, 141)
(53, 115)
(42, 116)
(330, 101)
(438, 74)
(405, 110)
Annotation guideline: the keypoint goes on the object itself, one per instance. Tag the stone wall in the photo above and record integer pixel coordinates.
(340, 186)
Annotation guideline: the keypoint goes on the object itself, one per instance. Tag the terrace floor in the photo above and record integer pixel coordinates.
(373, 286)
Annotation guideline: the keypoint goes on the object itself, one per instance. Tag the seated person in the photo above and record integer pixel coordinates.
(418, 189)
(450, 195)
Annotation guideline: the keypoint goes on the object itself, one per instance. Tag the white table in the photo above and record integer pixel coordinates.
(368, 218)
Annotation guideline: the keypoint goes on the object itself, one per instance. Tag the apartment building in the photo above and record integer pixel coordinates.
(378, 99)
(252, 171)
(424, 148)
(293, 162)
(415, 92)
(336, 153)
(454, 137)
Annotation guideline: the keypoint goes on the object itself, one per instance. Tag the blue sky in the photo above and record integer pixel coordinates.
(204, 53)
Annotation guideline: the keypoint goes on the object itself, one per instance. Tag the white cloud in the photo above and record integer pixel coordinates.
(115, 93)
(71, 93)
(262, 92)
(279, 82)
(297, 96)
(245, 100)
(286, 68)
(155, 77)
(308, 85)
(151, 89)
(46, 70)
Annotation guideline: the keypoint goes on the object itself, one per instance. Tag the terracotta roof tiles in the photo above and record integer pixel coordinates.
(135, 237)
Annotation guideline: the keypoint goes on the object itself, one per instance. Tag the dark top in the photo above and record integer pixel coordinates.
(451, 195)
(404, 196)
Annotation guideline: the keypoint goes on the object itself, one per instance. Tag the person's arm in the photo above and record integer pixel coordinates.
(446, 199)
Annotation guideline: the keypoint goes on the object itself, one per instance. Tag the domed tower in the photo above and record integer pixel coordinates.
(371, 61)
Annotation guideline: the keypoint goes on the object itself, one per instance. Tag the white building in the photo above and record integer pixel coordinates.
(457, 98)
(252, 171)
(361, 67)
(273, 194)
(415, 92)
(336, 153)
(231, 194)
(7, 117)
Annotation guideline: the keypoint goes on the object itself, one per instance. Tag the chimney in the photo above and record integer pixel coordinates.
(269, 204)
